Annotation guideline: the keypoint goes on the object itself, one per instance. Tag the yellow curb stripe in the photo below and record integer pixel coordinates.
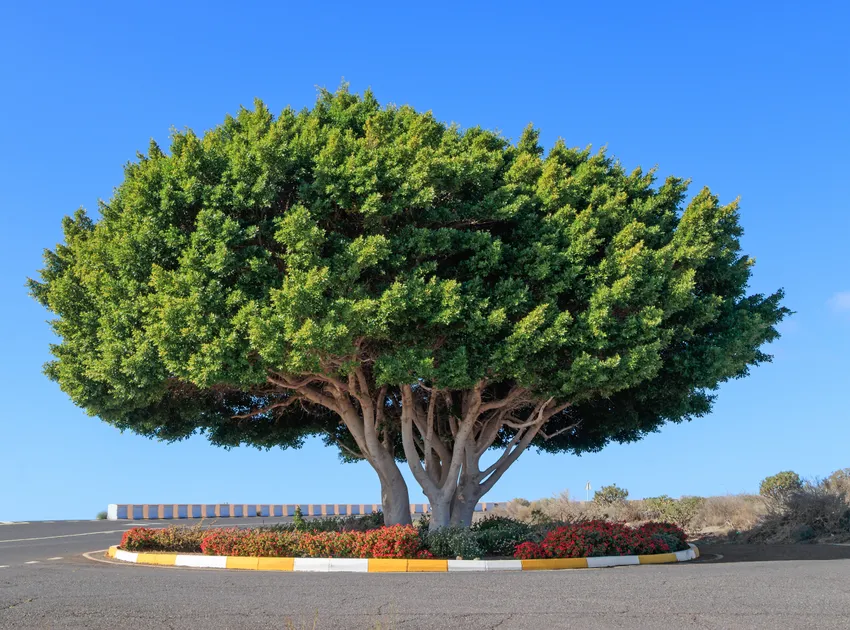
(166, 559)
(422, 566)
(234, 562)
(554, 563)
(389, 565)
(658, 558)
(275, 564)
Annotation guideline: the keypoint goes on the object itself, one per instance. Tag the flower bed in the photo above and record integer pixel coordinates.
(601, 538)
(495, 537)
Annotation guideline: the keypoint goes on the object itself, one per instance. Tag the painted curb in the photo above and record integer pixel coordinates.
(380, 565)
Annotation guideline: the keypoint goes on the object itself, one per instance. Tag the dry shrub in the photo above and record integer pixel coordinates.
(732, 512)
(819, 510)
(519, 509)
(554, 509)
(560, 509)
(839, 483)
(815, 512)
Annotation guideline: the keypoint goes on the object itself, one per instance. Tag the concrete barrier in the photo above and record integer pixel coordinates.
(169, 511)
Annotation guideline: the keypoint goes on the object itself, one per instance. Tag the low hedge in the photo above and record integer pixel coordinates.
(489, 538)
(387, 542)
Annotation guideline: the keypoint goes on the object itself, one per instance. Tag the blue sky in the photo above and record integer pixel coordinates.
(748, 98)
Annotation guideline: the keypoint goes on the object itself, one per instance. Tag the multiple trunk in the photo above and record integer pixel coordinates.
(444, 434)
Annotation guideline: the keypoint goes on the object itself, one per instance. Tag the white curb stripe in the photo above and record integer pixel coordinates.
(361, 565)
(611, 561)
(504, 565)
(687, 554)
(467, 565)
(312, 564)
(126, 556)
(202, 562)
(357, 565)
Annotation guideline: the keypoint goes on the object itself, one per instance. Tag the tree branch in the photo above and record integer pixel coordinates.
(409, 443)
(348, 450)
(519, 445)
(259, 410)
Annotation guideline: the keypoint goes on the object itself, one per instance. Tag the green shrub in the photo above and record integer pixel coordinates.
(363, 522)
(610, 495)
(101, 516)
(422, 524)
(498, 542)
(298, 518)
(679, 511)
(499, 535)
(500, 522)
(780, 486)
(354, 523)
(454, 542)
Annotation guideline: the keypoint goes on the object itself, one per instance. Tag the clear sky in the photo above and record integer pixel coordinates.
(750, 98)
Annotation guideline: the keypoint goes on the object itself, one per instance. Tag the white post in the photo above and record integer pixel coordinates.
(112, 512)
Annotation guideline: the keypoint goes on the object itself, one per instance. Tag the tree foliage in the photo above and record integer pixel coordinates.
(780, 486)
(610, 495)
(277, 276)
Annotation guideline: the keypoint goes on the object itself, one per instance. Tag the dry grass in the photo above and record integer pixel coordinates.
(733, 512)
(562, 509)
(820, 511)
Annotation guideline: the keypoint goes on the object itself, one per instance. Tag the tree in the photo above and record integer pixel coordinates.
(780, 486)
(408, 290)
(610, 495)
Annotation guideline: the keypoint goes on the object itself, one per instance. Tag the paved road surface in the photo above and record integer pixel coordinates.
(733, 592)
(39, 541)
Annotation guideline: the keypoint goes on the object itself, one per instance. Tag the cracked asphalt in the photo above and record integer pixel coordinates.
(794, 587)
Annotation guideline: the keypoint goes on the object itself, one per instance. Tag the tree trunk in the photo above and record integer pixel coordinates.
(463, 507)
(441, 514)
(395, 501)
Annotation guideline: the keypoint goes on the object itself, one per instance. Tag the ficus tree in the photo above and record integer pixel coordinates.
(415, 293)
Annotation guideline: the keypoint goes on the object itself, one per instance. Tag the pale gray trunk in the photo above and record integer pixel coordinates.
(463, 507)
(395, 501)
(441, 514)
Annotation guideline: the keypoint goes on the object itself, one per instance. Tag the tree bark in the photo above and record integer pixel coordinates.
(442, 451)
(463, 506)
(395, 500)
(441, 513)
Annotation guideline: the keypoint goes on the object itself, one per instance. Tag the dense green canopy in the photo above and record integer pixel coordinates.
(273, 249)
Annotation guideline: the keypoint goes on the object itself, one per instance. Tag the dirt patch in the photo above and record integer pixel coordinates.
(736, 552)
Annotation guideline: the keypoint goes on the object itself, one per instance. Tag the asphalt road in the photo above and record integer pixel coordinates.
(41, 540)
(789, 591)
